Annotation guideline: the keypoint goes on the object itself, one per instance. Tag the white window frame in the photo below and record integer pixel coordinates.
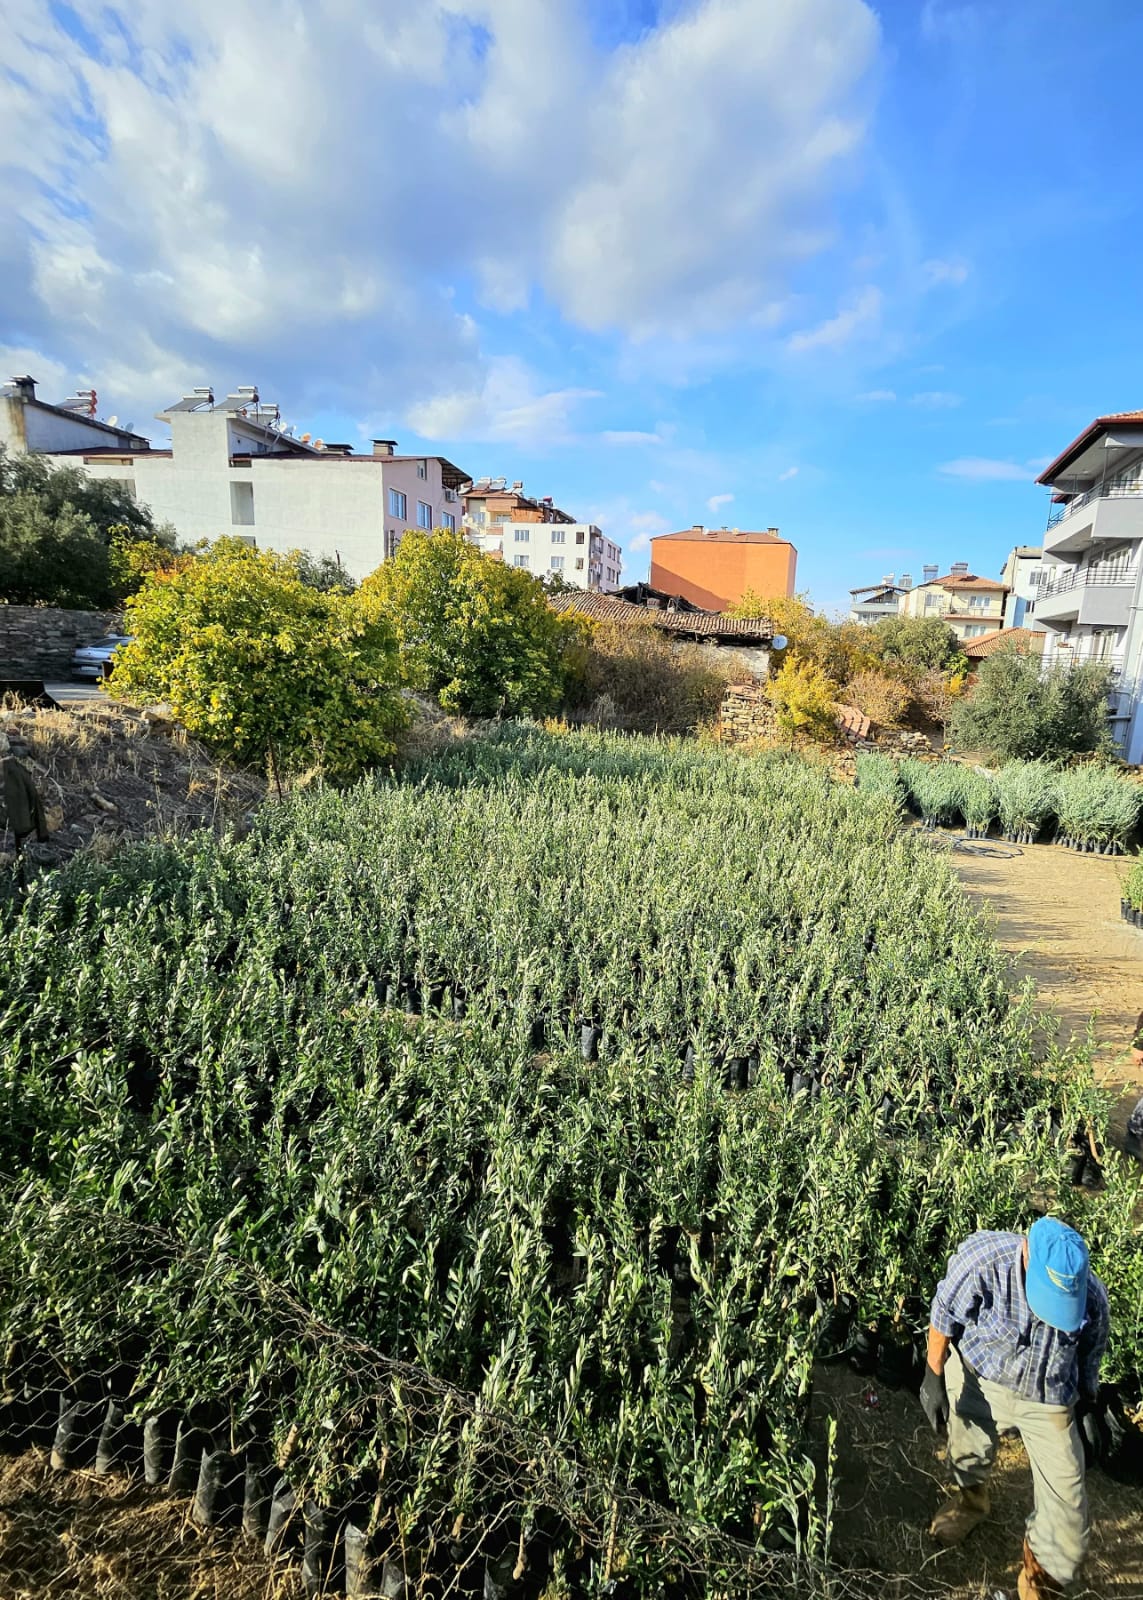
(424, 515)
(559, 536)
(241, 501)
(557, 563)
(523, 535)
(522, 561)
(423, 470)
(448, 521)
(399, 504)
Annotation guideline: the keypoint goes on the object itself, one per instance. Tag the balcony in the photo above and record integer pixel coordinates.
(1087, 597)
(1107, 511)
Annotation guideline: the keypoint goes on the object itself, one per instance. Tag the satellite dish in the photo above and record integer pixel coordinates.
(779, 641)
(111, 421)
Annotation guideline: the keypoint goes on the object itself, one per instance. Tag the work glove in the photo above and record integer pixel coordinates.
(934, 1399)
(1095, 1435)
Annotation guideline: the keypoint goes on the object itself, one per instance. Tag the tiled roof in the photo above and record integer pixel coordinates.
(705, 624)
(1024, 639)
(962, 580)
(1079, 444)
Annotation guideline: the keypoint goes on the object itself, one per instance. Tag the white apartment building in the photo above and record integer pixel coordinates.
(578, 551)
(1022, 575)
(1090, 598)
(536, 535)
(874, 601)
(232, 469)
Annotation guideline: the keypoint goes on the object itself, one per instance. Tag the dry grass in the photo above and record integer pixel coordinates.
(113, 1538)
(108, 775)
(891, 1477)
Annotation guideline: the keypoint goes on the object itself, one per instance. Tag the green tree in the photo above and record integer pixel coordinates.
(478, 634)
(839, 649)
(804, 698)
(1015, 711)
(263, 667)
(923, 642)
(322, 572)
(57, 530)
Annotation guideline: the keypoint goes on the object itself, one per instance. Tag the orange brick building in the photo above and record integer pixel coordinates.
(714, 567)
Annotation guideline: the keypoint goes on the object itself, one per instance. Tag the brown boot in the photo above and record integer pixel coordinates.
(960, 1514)
(1034, 1583)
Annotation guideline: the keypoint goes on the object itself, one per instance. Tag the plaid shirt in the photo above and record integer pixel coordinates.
(981, 1306)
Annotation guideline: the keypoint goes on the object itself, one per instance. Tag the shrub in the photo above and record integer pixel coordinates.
(979, 802)
(879, 778)
(1133, 891)
(936, 789)
(884, 700)
(476, 633)
(1025, 793)
(804, 700)
(1096, 808)
(262, 667)
(634, 677)
(1018, 712)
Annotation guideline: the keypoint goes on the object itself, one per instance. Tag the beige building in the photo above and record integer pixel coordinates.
(970, 605)
(536, 535)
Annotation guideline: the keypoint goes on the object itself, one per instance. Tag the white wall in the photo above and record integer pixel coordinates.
(541, 543)
(26, 426)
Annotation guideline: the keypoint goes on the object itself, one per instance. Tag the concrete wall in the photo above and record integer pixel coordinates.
(37, 642)
(580, 542)
(715, 574)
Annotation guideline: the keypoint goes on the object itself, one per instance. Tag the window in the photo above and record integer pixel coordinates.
(979, 602)
(481, 517)
(520, 561)
(558, 536)
(557, 563)
(932, 601)
(974, 630)
(422, 469)
(579, 563)
(448, 521)
(398, 505)
(502, 516)
(242, 505)
(392, 539)
(579, 536)
(424, 515)
(523, 536)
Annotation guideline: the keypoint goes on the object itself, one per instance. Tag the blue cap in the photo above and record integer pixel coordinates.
(1056, 1280)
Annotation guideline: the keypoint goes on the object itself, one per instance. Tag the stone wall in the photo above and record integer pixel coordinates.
(746, 714)
(37, 642)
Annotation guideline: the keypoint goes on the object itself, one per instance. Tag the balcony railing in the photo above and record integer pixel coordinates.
(1057, 511)
(1087, 578)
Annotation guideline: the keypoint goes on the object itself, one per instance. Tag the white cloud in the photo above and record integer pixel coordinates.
(195, 199)
(641, 541)
(790, 472)
(936, 273)
(857, 318)
(508, 407)
(981, 469)
(877, 396)
(633, 436)
(717, 501)
(935, 400)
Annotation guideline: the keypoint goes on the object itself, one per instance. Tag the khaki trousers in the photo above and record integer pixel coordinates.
(979, 1412)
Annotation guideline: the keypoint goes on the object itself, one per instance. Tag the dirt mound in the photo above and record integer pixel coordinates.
(107, 775)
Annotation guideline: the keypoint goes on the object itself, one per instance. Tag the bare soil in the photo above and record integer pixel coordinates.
(1056, 913)
(112, 1538)
(891, 1476)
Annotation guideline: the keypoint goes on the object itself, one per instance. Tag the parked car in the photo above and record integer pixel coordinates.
(94, 660)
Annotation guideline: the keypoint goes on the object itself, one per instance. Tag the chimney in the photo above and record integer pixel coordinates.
(773, 531)
(25, 387)
(959, 569)
(384, 447)
(696, 527)
(906, 580)
(928, 573)
(888, 580)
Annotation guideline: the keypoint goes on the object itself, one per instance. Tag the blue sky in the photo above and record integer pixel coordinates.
(853, 270)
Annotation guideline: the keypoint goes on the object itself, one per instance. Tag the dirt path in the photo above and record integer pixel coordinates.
(1057, 914)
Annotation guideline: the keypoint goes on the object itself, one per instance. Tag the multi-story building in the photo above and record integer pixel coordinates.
(538, 536)
(715, 567)
(30, 425)
(876, 600)
(1090, 601)
(233, 469)
(1022, 575)
(970, 605)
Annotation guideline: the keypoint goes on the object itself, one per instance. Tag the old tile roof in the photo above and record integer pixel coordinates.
(722, 536)
(1081, 442)
(688, 624)
(1023, 639)
(962, 580)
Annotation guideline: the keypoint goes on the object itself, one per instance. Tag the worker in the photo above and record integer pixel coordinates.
(1017, 1332)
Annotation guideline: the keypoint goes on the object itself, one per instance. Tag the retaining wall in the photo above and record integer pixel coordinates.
(37, 642)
